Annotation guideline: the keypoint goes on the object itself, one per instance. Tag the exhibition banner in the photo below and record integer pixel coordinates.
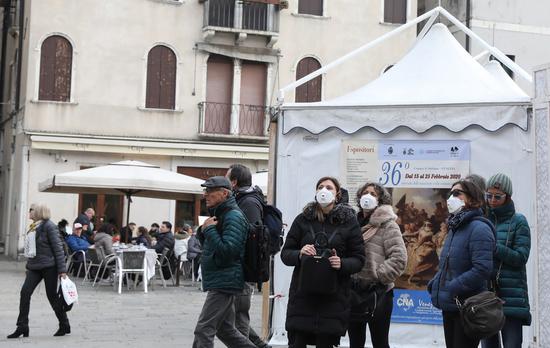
(419, 175)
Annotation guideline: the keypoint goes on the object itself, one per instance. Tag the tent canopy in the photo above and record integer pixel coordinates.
(125, 178)
(436, 83)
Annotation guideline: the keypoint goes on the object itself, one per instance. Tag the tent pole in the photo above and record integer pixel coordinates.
(354, 53)
(495, 51)
(129, 201)
(426, 27)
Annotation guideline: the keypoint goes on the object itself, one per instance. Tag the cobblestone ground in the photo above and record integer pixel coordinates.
(165, 317)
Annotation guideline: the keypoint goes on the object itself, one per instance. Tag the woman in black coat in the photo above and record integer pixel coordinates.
(316, 318)
(49, 264)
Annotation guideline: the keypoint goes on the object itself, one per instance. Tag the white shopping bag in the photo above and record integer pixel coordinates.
(69, 291)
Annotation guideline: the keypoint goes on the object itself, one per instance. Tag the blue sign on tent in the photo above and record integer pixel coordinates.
(414, 306)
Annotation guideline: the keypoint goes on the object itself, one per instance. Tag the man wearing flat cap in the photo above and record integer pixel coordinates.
(223, 236)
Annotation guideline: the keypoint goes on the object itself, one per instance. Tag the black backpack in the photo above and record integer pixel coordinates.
(273, 221)
(257, 254)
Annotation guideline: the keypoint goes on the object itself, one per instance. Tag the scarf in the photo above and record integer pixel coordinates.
(455, 220)
(368, 232)
(30, 240)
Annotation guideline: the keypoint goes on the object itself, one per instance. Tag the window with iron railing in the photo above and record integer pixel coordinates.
(239, 14)
(216, 119)
(221, 13)
(254, 16)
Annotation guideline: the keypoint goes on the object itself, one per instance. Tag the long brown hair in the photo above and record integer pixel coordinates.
(142, 231)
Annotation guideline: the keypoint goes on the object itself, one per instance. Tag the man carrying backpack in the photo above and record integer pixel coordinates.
(251, 201)
(223, 236)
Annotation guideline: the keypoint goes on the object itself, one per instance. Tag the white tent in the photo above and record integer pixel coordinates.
(436, 92)
(260, 179)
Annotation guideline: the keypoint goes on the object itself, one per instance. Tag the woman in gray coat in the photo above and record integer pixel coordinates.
(385, 260)
(48, 263)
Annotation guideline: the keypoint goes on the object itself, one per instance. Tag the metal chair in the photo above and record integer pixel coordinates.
(94, 261)
(70, 262)
(107, 263)
(132, 262)
(164, 261)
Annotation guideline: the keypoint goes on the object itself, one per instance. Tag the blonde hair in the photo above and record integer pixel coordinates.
(40, 212)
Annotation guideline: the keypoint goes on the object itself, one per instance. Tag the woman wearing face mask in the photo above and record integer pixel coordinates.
(511, 255)
(466, 260)
(386, 257)
(318, 318)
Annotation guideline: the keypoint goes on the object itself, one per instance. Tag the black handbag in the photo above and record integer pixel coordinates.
(317, 277)
(482, 315)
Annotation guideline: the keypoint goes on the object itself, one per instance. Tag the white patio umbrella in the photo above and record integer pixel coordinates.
(129, 178)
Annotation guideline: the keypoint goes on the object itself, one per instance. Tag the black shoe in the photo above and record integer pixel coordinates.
(63, 330)
(20, 332)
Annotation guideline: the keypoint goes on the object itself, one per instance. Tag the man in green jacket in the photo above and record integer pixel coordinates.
(223, 237)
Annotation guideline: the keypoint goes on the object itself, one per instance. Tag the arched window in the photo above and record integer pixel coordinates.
(56, 60)
(161, 78)
(310, 91)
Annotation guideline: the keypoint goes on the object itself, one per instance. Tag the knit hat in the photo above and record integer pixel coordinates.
(500, 182)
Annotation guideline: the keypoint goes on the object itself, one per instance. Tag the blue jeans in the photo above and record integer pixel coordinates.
(512, 335)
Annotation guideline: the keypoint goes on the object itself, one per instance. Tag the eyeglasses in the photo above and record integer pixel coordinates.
(496, 196)
(456, 193)
(211, 189)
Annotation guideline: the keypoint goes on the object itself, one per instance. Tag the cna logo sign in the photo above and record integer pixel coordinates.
(405, 302)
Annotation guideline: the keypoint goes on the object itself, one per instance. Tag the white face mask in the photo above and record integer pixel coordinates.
(454, 204)
(368, 202)
(324, 197)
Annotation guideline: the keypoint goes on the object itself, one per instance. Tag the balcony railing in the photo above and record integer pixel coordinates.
(241, 15)
(233, 120)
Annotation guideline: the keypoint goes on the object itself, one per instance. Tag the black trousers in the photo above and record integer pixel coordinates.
(196, 264)
(455, 337)
(302, 339)
(379, 326)
(32, 280)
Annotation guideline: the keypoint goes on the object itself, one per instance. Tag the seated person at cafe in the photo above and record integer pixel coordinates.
(165, 239)
(104, 238)
(77, 242)
(127, 232)
(143, 237)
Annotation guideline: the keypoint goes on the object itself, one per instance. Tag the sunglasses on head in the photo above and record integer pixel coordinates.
(456, 193)
(496, 196)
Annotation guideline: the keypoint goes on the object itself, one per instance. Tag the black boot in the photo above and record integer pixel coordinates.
(63, 330)
(20, 331)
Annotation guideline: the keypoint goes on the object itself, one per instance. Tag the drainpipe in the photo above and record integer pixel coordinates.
(5, 28)
(20, 54)
(468, 16)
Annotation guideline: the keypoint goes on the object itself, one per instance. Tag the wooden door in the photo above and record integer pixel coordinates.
(219, 91)
(253, 94)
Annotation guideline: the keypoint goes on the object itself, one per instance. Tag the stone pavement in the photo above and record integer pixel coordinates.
(165, 317)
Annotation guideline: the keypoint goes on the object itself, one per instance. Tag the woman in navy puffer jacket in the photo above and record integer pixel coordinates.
(466, 260)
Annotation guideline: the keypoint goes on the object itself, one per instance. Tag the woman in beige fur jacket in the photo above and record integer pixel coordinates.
(386, 258)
